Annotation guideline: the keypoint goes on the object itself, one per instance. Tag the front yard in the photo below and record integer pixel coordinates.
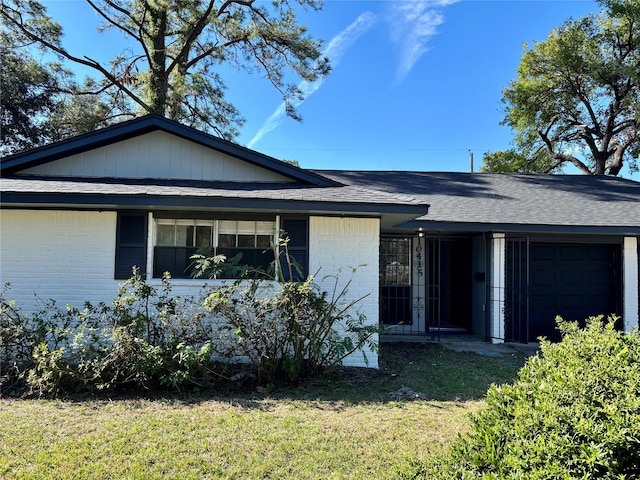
(344, 426)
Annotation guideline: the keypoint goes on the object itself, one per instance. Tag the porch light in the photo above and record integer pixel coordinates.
(420, 233)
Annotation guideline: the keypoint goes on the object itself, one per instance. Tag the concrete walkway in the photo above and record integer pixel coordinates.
(466, 342)
(471, 343)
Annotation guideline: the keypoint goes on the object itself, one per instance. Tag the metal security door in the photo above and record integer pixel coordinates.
(395, 283)
(434, 283)
(516, 307)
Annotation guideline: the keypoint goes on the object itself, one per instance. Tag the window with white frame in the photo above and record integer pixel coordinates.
(176, 240)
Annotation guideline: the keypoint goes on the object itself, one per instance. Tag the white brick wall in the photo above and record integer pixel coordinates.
(345, 243)
(67, 256)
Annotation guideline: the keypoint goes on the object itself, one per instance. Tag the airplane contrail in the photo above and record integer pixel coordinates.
(334, 50)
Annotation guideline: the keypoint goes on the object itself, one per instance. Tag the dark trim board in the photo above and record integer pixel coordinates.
(149, 202)
(446, 228)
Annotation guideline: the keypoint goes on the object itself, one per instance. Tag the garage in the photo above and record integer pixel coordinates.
(573, 281)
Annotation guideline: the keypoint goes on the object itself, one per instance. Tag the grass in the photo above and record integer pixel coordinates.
(332, 428)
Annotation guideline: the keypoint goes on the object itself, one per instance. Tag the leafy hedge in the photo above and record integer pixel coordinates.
(147, 338)
(573, 413)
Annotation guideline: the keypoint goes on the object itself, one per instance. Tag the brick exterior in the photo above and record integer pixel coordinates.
(340, 244)
(67, 256)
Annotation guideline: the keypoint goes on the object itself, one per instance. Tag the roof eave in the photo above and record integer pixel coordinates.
(520, 228)
(99, 201)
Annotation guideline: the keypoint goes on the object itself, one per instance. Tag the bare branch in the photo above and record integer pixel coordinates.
(223, 7)
(214, 49)
(112, 21)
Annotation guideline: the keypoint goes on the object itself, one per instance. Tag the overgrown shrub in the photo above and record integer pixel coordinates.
(147, 338)
(573, 413)
(18, 337)
(289, 330)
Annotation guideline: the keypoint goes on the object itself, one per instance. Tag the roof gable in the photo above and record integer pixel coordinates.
(155, 147)
(157, 155)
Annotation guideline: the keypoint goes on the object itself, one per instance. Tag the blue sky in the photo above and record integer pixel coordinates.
(415, 84)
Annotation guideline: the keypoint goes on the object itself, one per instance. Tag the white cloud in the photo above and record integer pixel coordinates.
(413, 23)
(334, 50)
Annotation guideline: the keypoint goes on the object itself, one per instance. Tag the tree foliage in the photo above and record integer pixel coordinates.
(511, 161)
(41, 101)
(577, 94)
(28, 99)
(176, 49)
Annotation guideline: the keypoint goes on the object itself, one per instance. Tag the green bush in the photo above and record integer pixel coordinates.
(149, 339)
(146, 338)
(20, 337)
(289, 330)
(573, 413)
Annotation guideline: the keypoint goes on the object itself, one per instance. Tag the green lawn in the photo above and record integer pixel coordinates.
(331, 428)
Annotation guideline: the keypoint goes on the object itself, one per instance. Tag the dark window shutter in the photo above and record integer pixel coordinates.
(297, 229)
(131, 243)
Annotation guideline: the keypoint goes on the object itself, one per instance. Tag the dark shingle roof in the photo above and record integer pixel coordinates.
(141, 192)
(511, 200)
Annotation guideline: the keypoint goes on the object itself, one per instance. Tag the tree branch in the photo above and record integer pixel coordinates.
(112, 21)
(82, 61)
(561, 158)
(223, 7)
(615, 165)
(213, 49)
(183, 55)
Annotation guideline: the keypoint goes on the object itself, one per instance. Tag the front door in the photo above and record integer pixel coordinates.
(425, 284)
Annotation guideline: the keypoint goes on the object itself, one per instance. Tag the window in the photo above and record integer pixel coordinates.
(178, 239)
(175, 240)
(395, 281)
(395, 261)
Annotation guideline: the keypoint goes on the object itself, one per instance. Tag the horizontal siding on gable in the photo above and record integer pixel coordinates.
(157, 155)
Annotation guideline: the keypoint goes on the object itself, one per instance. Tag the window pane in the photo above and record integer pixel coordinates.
(246, 241)
(265, 228)
(395, 261)
(203, 236)
(246, 228)
(166, 235)
(226, 240)
(184, 235)
(264, 241)
(227, 226)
